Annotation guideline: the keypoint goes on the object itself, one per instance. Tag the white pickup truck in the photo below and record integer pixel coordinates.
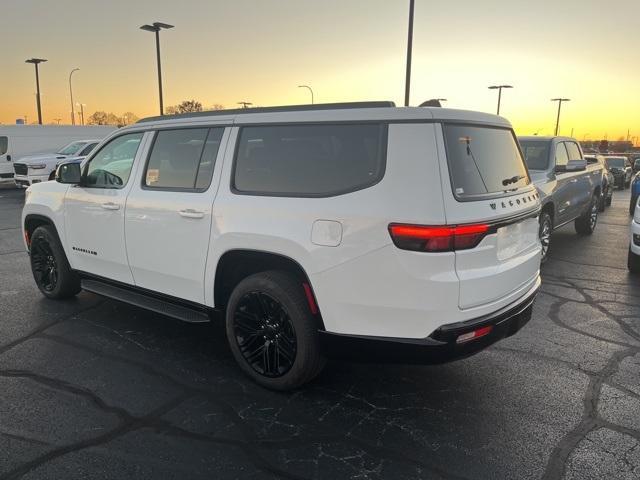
(399, 234)
(40, 168)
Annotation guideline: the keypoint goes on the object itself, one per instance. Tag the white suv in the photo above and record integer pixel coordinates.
(340, 230)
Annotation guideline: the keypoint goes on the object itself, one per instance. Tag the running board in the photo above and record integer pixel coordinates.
(145, 301)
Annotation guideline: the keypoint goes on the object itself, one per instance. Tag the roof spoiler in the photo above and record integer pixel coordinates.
(434, 102)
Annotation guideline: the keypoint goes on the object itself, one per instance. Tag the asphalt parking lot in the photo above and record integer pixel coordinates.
(91, 388)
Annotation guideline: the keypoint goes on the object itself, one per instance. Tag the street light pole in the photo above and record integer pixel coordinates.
(407, 83)
(499, 88)
(156, 27)
(35, 62)
(559, 100)
(310, 90)
(73, 116)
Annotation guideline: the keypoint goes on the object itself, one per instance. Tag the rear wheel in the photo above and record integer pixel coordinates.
(633, 262)
(586, 223)
(49, 265)
(271, 331)
(609, 198)
(546, 226)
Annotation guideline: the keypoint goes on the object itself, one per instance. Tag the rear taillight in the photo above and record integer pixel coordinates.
(443, 238)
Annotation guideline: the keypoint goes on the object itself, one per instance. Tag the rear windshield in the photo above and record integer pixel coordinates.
(536, 153)
(616, 162)
(483, 160)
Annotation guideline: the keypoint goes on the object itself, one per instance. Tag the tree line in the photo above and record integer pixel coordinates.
(127, 118)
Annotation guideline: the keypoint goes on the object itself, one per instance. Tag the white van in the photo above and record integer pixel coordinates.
(400, 234)
(17, 141)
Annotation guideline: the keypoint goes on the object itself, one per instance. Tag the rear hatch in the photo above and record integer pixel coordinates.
(488, 185)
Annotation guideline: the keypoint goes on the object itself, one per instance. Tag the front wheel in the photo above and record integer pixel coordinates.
(546, 226)
(633, 262)
(272, 332)
(49, 265)
(586, 224)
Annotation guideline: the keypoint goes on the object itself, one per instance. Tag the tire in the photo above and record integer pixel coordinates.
(52, 176)
(609, 199)
(544, 233)
(268, 312)
(50, 267)
(586, 223)
(632, 204)
(633, 262)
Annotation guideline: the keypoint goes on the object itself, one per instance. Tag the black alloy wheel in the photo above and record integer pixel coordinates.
(265, 334)
(45, 267)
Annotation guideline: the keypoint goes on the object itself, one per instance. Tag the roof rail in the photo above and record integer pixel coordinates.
(285, 108)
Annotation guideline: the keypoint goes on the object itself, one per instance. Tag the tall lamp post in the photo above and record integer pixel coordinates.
(310, 90)
(156, 27)
(35, 62)
(407, 82)
(499, 88)
(559, 100)
(73, 113)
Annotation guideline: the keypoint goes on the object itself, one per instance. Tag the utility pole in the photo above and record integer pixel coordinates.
(73, 117)
(559, 100)
(407, 83)
(35, 62)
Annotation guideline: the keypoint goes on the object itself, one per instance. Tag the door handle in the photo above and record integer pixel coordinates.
(191, 213)
(110, 206)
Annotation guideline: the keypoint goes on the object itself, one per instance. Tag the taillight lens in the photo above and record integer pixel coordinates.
(442, 238)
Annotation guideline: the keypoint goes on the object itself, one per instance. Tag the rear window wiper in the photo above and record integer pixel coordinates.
(514, 179)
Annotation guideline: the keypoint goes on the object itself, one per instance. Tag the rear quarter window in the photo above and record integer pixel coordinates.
(309, 160)
(483, 160)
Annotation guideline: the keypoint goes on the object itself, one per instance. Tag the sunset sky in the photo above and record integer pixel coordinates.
(347, 50)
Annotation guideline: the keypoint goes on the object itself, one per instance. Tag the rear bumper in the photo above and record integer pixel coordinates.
(439, 347)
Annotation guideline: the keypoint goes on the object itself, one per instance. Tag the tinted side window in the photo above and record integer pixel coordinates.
(562, 158)
(573, 150)
(111, 166)
(309, 160)
(183, 159)
(4, 145)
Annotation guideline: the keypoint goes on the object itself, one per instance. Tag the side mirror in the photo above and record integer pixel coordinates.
(69, 173)
(576, 165)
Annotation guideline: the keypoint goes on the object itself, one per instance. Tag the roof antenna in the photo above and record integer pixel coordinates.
(434, 102)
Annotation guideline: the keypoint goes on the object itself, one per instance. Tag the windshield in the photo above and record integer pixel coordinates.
(616, 162)
(483, 160)
(72, 148)
(536, 153)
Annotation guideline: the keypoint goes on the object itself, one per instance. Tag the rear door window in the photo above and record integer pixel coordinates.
(573, 151)
(309, 160)
(4, 145)
(536, 153)
(183, 159)
(483, 160)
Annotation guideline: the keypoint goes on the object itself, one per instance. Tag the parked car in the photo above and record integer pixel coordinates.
(633, 259)
(18, 141)
(636, 165)
(635, 193)
(607, 180)
(569, 187)
(621, 170)
(40, 168)
(348, 230)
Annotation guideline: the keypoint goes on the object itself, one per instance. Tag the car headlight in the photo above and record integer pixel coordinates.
(36, 166)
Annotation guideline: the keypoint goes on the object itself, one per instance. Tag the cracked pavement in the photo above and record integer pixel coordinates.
(91, 388)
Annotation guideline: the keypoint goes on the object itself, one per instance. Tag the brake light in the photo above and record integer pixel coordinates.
(442, 238)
